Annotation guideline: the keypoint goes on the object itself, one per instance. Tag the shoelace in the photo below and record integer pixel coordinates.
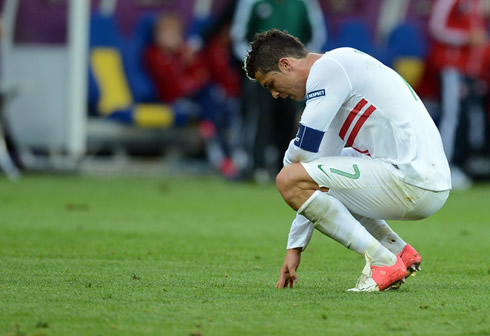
(362, 281)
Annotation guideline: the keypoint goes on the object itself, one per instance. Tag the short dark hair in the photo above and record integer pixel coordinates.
(268, 48)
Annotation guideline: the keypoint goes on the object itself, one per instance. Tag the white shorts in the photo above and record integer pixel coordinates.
(373, 188)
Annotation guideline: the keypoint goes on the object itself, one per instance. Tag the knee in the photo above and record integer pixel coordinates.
(286, 182)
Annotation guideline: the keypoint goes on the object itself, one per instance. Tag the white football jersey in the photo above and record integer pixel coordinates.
(353, 100)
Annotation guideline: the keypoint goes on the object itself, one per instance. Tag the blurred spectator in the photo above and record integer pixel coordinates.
(226, 76)
(176, 72)
(8, 163)
(213, 38)
(218, 59)
(181, 74)
(199, 38)
(269, 124)
(460, 55)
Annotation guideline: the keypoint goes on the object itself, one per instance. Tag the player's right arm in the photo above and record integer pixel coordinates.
(324, 99)
(326, 90)
(287, 275)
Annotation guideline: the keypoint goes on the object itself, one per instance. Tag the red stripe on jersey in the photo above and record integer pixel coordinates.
(350, 118)
(362, 152)
(358, 125)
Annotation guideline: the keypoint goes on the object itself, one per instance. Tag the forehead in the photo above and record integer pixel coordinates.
(263, 78)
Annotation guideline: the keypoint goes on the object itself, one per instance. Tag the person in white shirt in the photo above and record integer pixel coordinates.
(366, 151)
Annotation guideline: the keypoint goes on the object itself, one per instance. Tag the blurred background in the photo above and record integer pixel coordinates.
(156, 86)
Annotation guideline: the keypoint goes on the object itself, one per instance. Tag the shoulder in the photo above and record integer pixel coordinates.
(345, 54)
(340, 56)
(330, 63)
(349, 60)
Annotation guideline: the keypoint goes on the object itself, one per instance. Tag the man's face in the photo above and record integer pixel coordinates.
(169, 34)
(284, 84)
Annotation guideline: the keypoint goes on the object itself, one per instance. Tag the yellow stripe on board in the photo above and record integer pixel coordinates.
(109, 73)
(153, 115)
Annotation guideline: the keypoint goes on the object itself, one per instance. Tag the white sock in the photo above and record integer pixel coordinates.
(214, 152)
(380, 230)
(333, 219)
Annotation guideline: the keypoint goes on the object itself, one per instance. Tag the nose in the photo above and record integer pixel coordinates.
(275, 94)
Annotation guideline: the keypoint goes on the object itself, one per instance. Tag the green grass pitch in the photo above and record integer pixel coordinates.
(200, 256)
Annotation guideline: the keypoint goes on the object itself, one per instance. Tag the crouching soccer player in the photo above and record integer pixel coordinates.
(366, 150)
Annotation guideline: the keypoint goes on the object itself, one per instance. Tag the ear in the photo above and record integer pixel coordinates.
(285, 64)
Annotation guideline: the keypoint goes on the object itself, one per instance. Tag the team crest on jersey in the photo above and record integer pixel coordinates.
(315, 94)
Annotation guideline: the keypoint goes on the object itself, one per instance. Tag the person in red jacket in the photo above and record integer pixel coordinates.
(460, 55)
(219, 60)
(176, 71)
(180, 73)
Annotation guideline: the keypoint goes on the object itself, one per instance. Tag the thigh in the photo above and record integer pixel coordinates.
(368, 187)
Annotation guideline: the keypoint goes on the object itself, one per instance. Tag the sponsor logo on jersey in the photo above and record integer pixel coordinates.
(315, 94)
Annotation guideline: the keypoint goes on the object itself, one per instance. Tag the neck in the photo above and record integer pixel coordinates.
(311, 58)
(307, 63)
